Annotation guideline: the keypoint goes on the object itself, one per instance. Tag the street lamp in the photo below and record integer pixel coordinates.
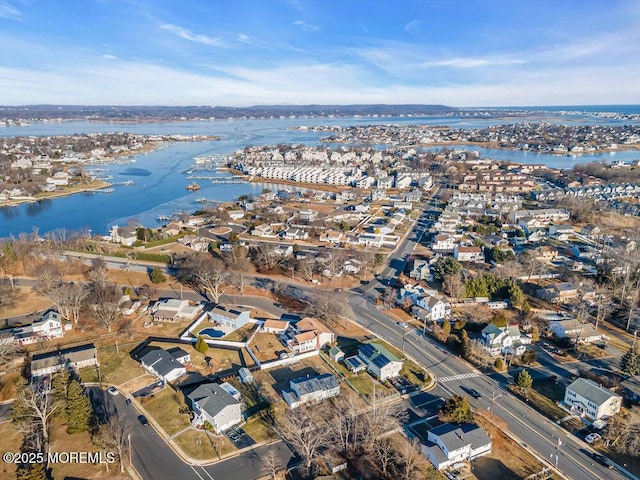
(558, 451)
(403, 335)
(129, 438)
(494, 397)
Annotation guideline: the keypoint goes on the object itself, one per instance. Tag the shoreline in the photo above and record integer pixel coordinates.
(52, 195)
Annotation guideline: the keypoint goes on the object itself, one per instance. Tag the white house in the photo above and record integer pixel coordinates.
(380, 361)
(443, 243)
(331, 236)
(309, 334)
(437, 308)
(303, 390)
(265, 231)
(468, 254)
(295, 234)
(174, 309)
(230, 316)
(213, 404)
(591, 400)
(74, 358)
(274, 326)
(502, 340)
(162, 364)
(448, 444)
(48, 327)
(575, 331)
(124, 235)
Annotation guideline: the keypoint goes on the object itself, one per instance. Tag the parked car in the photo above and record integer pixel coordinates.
(402, 324)
(113, 390)
(592, 438)
(143, 420)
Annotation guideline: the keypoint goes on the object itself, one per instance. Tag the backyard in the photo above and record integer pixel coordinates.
(165, 407)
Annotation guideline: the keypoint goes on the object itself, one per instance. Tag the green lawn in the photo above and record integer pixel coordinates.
(115, 368)
(164, 408)
(540, 402)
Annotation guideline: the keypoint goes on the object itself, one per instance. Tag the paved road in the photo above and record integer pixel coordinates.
(153, 459)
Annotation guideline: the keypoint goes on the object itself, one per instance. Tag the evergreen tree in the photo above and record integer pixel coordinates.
(446, 266)
(535, 334)
(446, 329)
(157, 276)
(201, 346)
(456, 410)
(630, 361)
(524, 380)
(33, 471)
(60, 386)
(499, 364)
(465, 344)
(20, 411)
(79, 410)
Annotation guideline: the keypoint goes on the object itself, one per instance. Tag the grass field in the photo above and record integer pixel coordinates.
(164, 408)
(202, 445)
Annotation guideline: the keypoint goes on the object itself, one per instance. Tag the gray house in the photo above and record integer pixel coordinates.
(162, 364)
(73, 358)
(211, 403)
(230, 316)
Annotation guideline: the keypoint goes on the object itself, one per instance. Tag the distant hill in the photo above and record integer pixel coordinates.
(159, 113)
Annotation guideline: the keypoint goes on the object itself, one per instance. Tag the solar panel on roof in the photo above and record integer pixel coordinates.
(380, 361)
(367, 350)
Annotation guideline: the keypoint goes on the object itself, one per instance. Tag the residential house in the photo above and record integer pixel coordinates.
(283, 251)
(180, 355)
(230, 316)
(236, 214)
(355, 364)
(308, 334)
(469, 254)
(380, 361)
(421, 271)
(295, 234)
(174, 309)
(162, 364)
(443, 243)
(545, 253)
(437, 308)
(448, 444)
(561, 232)
(331, 236)
(274, 326)
(47, 328)
(124, 235)
(307, 215)
(630, 389)
(559, 292)
(73, 358)
(591, 400)
(503, 340)
(265, 231)
(213, 404)
(575, 331)
(195, 242)
(304, 390)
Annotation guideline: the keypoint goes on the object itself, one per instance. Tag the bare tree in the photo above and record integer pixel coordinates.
(379, 420)
(306, 430)
(105, 305)
(623, 434)
(454, 286)
(67, 298)
(9, 352)
(33, 408)
(411, 459)
(328, 305)
(272, 465)
(307, 267)
(384, 453)
(347, 424)
(266, 257)
(213, 278)
(334, 262)
(113, 437)
(49, 275)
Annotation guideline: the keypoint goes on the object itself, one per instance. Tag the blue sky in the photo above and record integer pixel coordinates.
(251, 52)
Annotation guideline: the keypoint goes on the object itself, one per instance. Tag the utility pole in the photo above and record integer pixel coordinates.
(635, 334)
(129, 438)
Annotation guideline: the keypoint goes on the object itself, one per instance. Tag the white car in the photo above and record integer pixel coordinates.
(402, 324)
(113, 391)
(592, 438)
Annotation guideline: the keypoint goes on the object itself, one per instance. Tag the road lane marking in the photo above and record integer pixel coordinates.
(460, 376)
(208, 475)
(194, 471)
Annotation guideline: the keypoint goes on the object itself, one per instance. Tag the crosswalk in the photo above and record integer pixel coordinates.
(475, 373)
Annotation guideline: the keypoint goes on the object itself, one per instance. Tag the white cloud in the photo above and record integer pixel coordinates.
(306, 26)
(107, 56)
(464, 62)
(187, 34)
(413, 26)
(9, 11)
